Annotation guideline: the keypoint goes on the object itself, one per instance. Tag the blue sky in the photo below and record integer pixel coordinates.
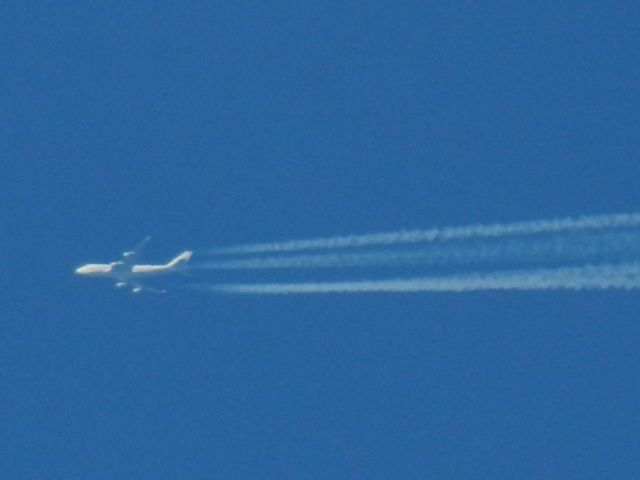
(218, 123)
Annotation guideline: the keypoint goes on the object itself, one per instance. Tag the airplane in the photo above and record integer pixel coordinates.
(127, 274)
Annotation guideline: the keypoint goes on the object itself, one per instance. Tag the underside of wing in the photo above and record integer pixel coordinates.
(119, 267)
(139, 288)
(131, 255)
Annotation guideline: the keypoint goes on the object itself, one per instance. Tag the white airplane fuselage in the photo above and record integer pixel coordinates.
(126, 273)
(112, 270)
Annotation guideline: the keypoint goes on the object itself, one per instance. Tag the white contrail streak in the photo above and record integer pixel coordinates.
(594, 222)
(591, 277)
(585, 246)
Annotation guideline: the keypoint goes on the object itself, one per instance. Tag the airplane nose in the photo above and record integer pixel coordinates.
(79, 271)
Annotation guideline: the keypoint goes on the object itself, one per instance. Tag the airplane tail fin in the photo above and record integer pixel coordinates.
(181, 259)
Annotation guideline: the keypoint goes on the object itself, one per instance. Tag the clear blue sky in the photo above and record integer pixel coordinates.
(216, 123)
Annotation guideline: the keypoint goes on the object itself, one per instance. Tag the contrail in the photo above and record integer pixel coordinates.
(558, 247)
(590, 277)
(575, 224)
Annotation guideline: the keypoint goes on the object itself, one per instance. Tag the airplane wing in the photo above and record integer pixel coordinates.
(131, 255)
(153, 290)
(138, 288)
